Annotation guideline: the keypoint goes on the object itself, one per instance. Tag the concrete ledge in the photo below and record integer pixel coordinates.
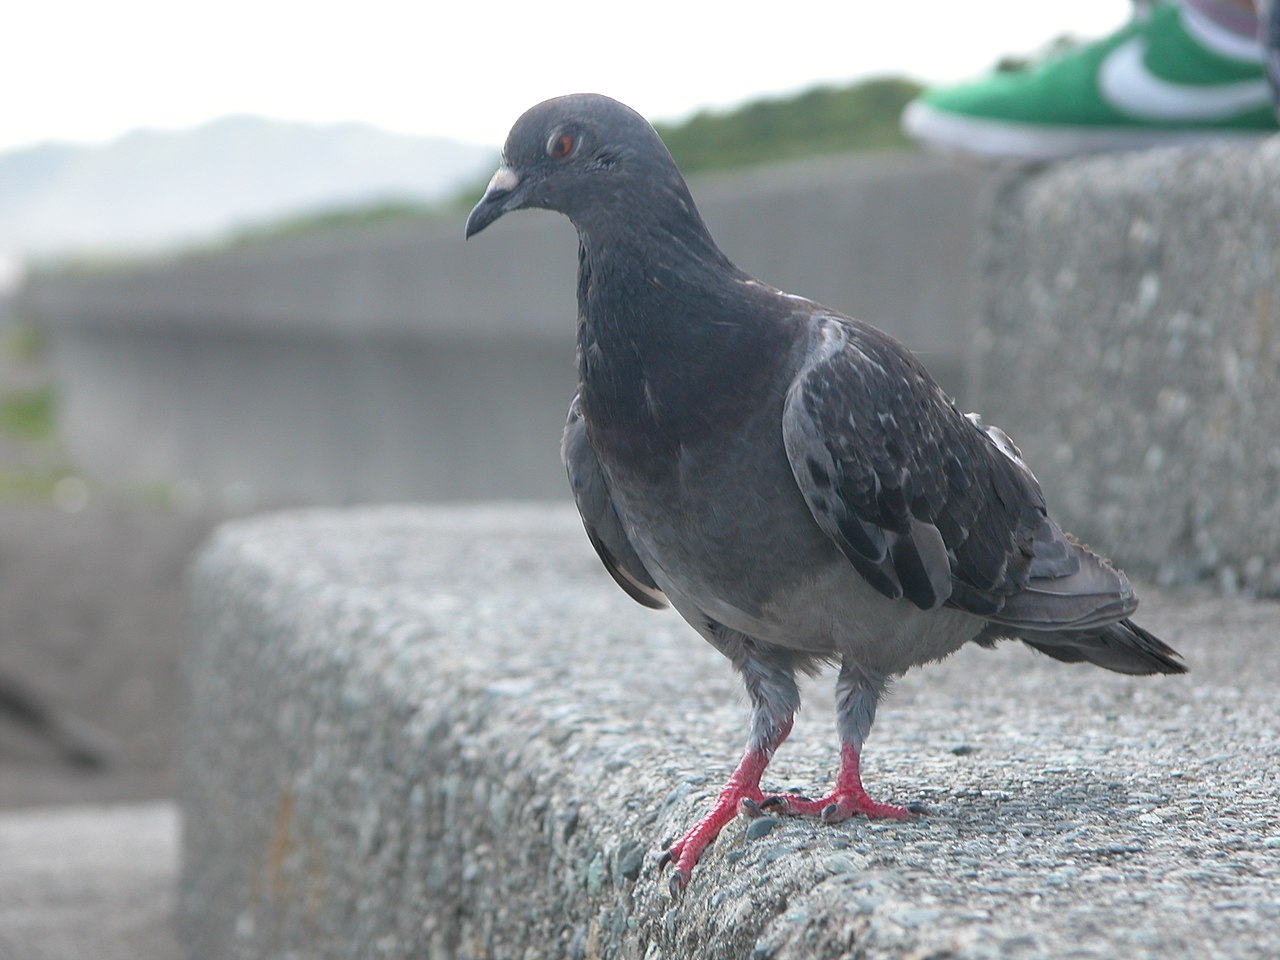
(445, 733)
(1132, 350)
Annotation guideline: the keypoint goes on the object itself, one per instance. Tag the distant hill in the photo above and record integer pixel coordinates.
(297, 190)
(150, 189)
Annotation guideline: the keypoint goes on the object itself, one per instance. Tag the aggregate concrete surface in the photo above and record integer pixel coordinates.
(446, 733)
(1131, 347)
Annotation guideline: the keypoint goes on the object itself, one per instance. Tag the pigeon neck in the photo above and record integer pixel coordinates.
(644, 248)
(666, 325)
(650, 284)
(660, 226)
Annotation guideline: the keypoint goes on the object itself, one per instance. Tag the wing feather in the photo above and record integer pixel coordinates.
(925, 502)
(604, 527)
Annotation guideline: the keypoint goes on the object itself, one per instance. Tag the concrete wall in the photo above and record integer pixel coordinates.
(399, 362)
(249, 417)
(447, 734)
(1131, 347)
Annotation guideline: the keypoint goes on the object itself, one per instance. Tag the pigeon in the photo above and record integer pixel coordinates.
(791, 480)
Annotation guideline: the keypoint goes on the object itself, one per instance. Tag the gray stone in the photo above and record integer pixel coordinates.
(761, 827)
(402, 722)
(1132, 350)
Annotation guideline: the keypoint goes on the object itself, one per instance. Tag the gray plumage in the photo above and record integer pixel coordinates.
(791, 480)
(604, 528)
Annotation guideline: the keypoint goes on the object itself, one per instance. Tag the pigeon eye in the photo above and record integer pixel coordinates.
(560, 145)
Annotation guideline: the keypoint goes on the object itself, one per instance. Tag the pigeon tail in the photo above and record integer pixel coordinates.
(1094, 595)
(1083, 617)
(1123, 647)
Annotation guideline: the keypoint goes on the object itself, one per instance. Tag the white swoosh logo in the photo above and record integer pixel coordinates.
(1131, 88)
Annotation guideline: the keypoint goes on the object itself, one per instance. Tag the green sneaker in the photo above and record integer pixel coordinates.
(1162, 79)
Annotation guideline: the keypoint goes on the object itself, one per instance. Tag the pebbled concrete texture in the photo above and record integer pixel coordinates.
(1131, 347)
(446, 733)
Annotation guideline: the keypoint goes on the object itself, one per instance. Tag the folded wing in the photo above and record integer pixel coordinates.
(928, 504)
(604, 528)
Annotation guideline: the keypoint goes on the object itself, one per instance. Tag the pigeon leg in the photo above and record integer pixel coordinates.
(743, 786)
(857, 693)
(770, 680)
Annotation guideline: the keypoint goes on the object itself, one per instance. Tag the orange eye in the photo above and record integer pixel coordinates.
(560, 146)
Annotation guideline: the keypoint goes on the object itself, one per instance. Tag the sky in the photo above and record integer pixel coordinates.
(87, 72)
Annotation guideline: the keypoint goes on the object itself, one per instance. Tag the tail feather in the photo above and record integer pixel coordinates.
(1122, 646)
(1075, 607)
(1092, 595)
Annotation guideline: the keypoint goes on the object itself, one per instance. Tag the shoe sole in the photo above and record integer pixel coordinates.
(1007, 140)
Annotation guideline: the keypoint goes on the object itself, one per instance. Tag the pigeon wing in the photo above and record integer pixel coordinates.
(604, 527)
(917, 496)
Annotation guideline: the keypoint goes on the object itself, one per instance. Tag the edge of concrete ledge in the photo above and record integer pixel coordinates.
(444, 732)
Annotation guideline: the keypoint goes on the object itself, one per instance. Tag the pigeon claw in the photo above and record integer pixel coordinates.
(685, 853)
(836, 808)
(677, 883)
(778, 801)
(848, 799)
(741, 792)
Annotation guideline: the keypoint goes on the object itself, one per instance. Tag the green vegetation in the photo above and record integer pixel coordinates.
(23, 486)
(29, 414)
(336, 218)
(21, 343)
(35, 466)
(863, 116)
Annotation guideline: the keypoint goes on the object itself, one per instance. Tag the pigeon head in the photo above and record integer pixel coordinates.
(588, 157)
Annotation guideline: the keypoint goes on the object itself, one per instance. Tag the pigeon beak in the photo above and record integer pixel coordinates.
(497, 200)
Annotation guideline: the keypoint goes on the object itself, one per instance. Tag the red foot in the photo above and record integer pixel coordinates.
(848, 799)
(743, 785)
(834, 807)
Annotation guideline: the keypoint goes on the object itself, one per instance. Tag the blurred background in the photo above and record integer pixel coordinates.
(232, 278)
